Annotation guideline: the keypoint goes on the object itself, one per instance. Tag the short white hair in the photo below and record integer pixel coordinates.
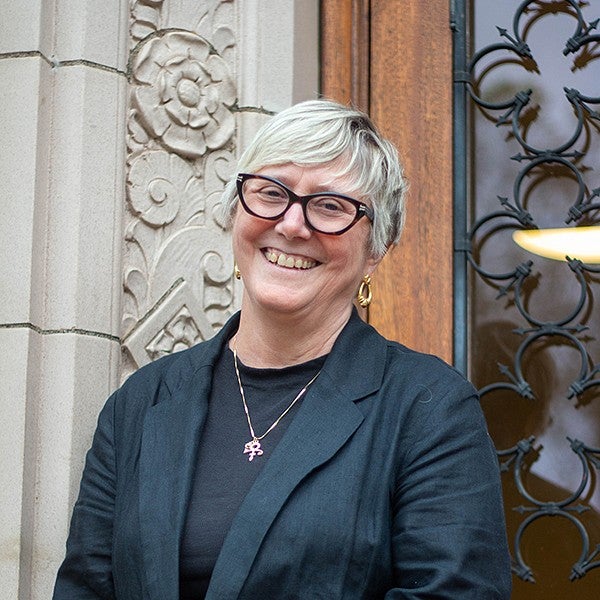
(316, 132)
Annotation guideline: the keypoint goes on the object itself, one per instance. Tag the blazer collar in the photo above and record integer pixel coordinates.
(325, 421)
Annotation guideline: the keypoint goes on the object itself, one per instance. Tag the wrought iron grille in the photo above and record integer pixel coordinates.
(533, 347)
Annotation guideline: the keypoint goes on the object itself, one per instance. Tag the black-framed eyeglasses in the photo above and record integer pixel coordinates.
(325, 212)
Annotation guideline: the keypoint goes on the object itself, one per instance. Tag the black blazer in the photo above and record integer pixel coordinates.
(385, 485)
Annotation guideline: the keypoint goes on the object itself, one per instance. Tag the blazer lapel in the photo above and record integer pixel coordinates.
(170, 437)
(325, 422)
(169, 446)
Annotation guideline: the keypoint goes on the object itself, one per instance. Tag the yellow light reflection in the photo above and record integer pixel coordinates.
(576, 242)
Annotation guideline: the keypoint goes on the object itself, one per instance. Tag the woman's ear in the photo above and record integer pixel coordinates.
(373, 262)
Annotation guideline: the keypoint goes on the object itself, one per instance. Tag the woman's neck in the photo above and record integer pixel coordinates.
(268, 340)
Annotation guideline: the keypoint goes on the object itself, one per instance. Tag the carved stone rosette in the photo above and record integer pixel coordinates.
(178, 262)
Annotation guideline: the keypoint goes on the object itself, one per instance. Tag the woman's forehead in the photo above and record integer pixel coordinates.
(333, 175)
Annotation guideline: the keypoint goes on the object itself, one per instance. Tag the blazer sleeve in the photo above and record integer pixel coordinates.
(86, 573)
(449, 537)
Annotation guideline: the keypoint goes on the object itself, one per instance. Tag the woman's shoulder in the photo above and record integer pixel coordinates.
(158, 380)
(421, 364)
(418, 379)
(171, 370)
(363, 357)
(428, 392)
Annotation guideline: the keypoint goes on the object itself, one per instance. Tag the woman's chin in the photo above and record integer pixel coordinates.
(282, 301)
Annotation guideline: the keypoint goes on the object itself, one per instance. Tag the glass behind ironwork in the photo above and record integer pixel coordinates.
(534, 81)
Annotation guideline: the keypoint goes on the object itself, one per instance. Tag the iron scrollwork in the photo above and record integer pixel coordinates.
(534, 162)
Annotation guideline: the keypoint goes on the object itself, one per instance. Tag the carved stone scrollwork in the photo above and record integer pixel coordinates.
(175, 234)
(176, 322)
(179, 333)
(161, 186)
(178, 263)
(145, 16)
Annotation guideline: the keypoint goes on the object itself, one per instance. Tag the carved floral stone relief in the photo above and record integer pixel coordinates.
(178, 263)
(184, 94)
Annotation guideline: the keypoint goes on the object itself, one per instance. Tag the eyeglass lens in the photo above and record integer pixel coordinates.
(267, 199)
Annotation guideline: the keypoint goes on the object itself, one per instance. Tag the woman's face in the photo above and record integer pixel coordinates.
(288, 268)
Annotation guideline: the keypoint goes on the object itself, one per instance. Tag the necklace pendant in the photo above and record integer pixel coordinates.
(252, 448)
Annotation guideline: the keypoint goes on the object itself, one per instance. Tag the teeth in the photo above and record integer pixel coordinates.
(290, 262)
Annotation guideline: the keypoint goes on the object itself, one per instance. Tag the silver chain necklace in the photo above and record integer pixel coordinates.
(253, 447)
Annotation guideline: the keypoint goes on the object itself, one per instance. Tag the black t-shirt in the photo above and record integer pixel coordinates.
(224, 474)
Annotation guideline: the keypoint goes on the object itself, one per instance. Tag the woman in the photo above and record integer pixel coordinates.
(297, 454)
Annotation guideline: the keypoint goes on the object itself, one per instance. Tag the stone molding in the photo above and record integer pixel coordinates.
(203, 77)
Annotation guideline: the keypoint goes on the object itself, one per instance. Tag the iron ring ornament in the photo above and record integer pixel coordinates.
(515, 214)
(513, 459)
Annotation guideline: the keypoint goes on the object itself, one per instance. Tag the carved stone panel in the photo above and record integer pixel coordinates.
(178, 285)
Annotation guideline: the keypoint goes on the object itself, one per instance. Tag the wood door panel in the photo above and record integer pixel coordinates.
(345, 45)
(409, 81)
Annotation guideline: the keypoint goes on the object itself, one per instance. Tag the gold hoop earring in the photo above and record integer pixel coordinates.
(236, 272)
(365, 295)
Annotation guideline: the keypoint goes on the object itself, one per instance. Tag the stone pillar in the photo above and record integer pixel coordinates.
(111, 253)
(62, 174)
(278, 62)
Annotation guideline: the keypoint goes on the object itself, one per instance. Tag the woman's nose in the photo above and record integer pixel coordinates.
(293, 224)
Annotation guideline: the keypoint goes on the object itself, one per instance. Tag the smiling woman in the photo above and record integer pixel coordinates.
(313, 303)
(297, 454)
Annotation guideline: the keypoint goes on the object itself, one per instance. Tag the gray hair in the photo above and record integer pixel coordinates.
(316, 132)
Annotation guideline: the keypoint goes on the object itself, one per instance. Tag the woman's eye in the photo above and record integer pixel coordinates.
(272, 193)
(329, 205)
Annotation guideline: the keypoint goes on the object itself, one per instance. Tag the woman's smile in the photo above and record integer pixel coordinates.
(290, 261)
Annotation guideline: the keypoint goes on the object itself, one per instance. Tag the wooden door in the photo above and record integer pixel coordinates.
(394, 59)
